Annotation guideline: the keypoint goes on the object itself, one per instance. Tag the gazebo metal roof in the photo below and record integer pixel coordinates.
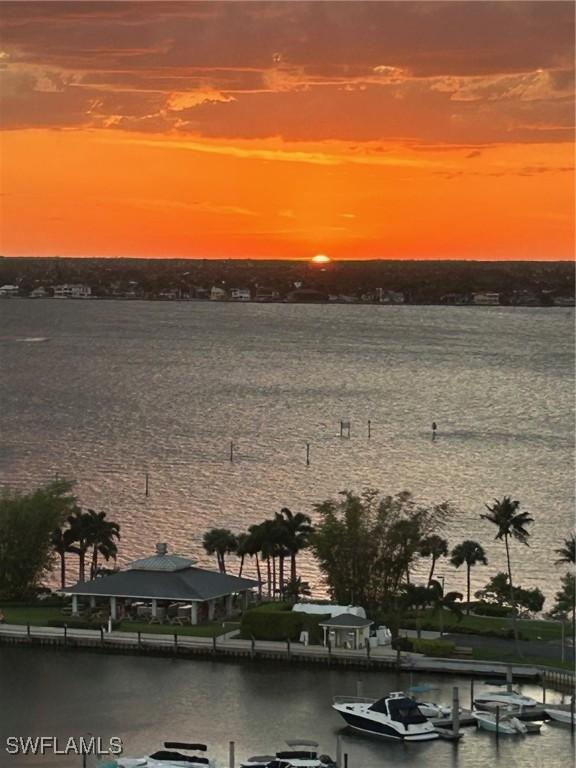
(188, 584)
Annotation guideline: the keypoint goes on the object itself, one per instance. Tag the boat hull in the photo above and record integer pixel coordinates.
(559, 715)
(384, 731)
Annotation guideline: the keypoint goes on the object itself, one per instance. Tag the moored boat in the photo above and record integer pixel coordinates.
(561, 716)
(396, 717)
(503, 698)
(506, 724)
(303, 753)
(175, 754)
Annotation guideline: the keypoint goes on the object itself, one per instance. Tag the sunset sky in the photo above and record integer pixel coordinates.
(416, 130)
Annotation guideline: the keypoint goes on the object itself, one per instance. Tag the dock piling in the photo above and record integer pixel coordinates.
(307, 454)
(497, 722)
(28, 631)
(339, 751)
(231, 754)
(369, 429)
(231, 452)
(456, 711)
(146, 486)
(471, 694)
(345, 759)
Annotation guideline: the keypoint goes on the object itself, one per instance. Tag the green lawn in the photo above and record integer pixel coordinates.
(530, 629)
(213, 629)
(491, 654)
(39, 616)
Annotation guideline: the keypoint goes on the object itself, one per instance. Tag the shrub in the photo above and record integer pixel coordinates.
(280, 624)
(402, 644)
(491, 609)
(441, 648)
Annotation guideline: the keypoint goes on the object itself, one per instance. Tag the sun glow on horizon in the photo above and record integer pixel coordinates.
(321, 258)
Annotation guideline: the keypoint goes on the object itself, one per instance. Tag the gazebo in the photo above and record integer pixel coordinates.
(346, 630)
(153, 584)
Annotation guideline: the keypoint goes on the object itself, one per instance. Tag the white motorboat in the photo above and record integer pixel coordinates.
(175, 754)
(503, 699)
(303, 753)
(506, 724)
(396, 717)
(560, 716)
(434, 711)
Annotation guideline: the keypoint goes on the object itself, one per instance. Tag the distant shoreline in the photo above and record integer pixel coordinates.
(335, 302)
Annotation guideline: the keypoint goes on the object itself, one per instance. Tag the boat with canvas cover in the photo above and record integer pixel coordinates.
(303, 753)
(395, 717)
(176, 754)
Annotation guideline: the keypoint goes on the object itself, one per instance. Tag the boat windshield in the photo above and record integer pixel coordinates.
(405, 711)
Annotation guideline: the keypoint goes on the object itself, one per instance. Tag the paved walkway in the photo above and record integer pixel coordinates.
(226, 643)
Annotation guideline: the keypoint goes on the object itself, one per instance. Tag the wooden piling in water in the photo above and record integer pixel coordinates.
(146, 487)
(369, 429)
(231, 754)
(456, 710)
(231, 451)
(307, 454)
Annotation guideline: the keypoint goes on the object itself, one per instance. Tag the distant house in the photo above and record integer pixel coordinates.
(72, 291)
(218, 294)
(240, 294)
(8, 291)
(564, 301)
(486, 299)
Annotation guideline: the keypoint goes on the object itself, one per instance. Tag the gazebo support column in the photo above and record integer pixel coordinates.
(92, 602)
(245, 600)
(74, 605)
(113, 609)
(194, 614)
(211, 607)
(154, 609)
(228, 605)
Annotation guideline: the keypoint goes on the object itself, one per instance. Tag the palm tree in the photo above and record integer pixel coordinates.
(61, 540)
(567, 552)
(440, 602)
(220, 542)
(253, 548)
(79, 532)
(298, 531)
(295, 589)
(242, 549)
(268, 531)
(471, 553)
(511, 524)
(435, 547)
(103, 535)
(568, 557)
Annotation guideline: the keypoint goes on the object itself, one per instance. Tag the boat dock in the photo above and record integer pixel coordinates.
(228, 646)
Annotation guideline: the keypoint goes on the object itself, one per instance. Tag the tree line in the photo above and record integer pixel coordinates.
(366, 546)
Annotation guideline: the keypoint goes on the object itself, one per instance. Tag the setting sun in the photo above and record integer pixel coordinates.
(321, 258)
